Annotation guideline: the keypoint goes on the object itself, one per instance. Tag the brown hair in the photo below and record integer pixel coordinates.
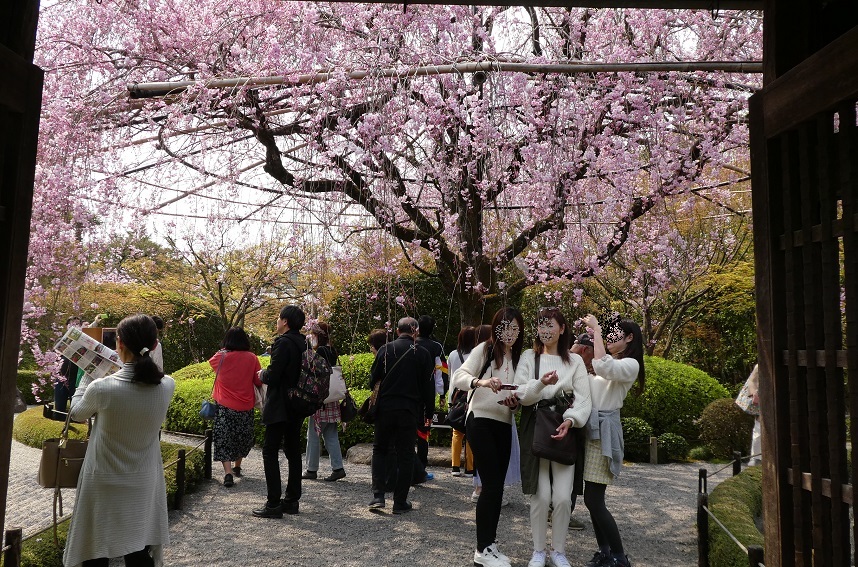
(565, 338)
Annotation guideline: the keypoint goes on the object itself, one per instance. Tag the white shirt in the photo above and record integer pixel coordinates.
(614, 378)
(485, 402)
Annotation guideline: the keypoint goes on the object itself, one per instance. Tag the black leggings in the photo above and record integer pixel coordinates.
(491, 443)
(137, 559)
(607, 533)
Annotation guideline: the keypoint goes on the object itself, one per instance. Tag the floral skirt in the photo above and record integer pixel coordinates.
(232, 434)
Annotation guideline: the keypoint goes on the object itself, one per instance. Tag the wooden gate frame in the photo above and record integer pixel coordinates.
(804, 160)
(20, 104)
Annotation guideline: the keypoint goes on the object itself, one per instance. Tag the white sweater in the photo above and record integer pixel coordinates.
(485, 402)
(614, 378)
(572, 377)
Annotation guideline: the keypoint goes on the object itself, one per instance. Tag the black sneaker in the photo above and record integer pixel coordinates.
(310, 475)
(619, 561)
(236, 472)
(402, 508)
(600, 559)
(227, 480)
(376, 504)
(269, 511)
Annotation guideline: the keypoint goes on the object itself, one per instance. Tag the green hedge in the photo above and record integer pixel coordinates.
(32, 429)
(736, 502)
(726, 428)
(636, 434)
(674, 398)
(356, 369)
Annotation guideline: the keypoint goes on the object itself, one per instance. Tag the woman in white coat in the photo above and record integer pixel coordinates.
(558, 379)
(121, 504)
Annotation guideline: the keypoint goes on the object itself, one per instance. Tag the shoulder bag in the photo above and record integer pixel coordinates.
(337, 389)
(548, 419)
(348, 408)
(208, 410)
(368, 409)
(458, 412)
(745, 401)
(60, 466)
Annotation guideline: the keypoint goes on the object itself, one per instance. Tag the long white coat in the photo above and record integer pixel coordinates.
(121, 504)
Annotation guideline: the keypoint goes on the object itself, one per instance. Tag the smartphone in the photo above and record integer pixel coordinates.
(508, 387)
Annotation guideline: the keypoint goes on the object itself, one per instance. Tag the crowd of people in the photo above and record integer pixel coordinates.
(582, 379)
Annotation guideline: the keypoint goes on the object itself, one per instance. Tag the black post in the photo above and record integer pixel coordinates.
(756, 557)
(180, 480)
(737, 462)
(207, 466)
(12, 555)
(702, 531)
(702, 477)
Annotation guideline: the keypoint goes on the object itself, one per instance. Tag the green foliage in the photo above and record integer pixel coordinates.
(194, 469)
(725, 428)
(40, 551)
(722, 340)
(29, 378)
(700, 453)
(183, 415)
(367, 303)
(736, 502)
(356, 369)
(636, 434)
(198, 371)
(675, 446)
(32, 429)
(674, 397)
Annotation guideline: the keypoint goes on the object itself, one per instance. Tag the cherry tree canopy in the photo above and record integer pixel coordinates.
(498, 178)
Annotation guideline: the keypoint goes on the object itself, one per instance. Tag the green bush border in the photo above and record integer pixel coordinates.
(736, 502)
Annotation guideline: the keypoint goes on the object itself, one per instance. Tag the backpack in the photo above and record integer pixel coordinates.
(309, 395)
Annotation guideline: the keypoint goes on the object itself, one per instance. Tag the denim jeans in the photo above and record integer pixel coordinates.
(332, 444)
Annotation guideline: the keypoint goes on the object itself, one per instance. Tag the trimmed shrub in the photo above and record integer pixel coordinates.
(700, 453)
(356, 369)
(183, 415)
(725, 428)
(675, 446)
(736, 502)
(636, 434)
(674, 398)
(32, 429)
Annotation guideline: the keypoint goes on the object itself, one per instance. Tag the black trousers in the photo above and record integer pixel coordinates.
(491, 443)
(137, 559)
(397, 427)
(285, 434)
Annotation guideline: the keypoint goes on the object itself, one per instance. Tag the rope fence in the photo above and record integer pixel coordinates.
(755, 553)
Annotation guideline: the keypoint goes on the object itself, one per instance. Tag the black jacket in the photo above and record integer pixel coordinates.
(405, 371)
(435, 350)
(282, 374)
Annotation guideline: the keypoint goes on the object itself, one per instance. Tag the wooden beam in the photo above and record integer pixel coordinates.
(826, 78)
(641, 4)
(806, 481)
(160, 89)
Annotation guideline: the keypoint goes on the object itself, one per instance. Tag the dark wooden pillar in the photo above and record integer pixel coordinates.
(20, 104)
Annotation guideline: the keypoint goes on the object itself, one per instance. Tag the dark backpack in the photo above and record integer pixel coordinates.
(309, 395)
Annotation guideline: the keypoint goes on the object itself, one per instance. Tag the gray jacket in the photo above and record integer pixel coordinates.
(606, 426)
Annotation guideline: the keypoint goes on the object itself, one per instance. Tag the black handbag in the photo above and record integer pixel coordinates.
(458, 413)
(548, 419)
(368, 409)
(348, 408)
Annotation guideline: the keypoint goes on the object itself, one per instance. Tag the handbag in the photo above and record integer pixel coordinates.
(337, 388)
(458, 413)
(208, 409)
(548, 419)
(745, 401)
(348, 408)
(60, 466)
(259, 396)
(368, 408)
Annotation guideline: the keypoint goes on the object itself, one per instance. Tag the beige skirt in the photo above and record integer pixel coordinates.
(596, 467)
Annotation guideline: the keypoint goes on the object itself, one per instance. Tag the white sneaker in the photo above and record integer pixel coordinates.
(475, 497)
(538, 559)
(491, 557)
(559, 560)
(498, 552)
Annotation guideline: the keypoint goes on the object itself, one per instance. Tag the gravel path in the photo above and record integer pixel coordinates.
(654, 506)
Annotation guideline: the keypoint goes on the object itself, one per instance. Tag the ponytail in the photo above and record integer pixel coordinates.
(139, 334)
